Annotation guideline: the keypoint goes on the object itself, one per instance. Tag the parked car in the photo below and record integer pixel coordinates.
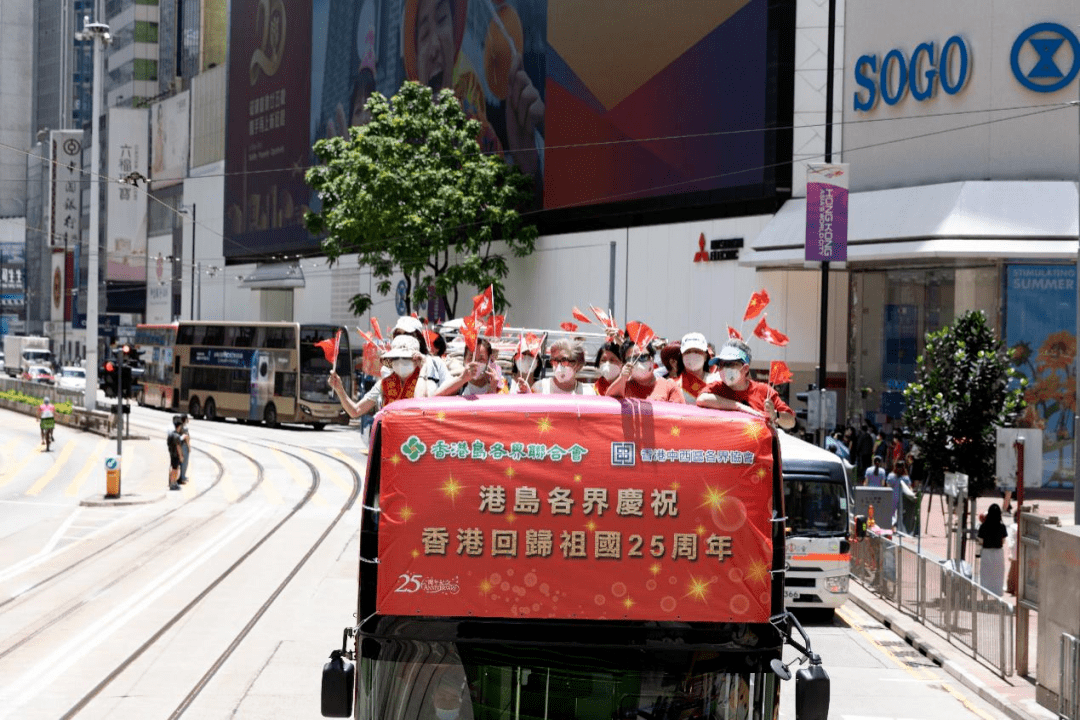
(39, 374)
(72, 378)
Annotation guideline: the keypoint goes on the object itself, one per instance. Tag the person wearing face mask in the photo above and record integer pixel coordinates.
(402, 382)
(567, 359)
(736, 391)
(609, 363)
(434, 368)
(481, 376)
(637, 380)
(692, 379)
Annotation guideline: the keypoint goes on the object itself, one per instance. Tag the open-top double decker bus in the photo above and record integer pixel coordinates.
(539, 556)
(155, 345)
(272, 372)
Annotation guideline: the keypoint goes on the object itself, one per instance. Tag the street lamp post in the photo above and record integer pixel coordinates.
(98, 33)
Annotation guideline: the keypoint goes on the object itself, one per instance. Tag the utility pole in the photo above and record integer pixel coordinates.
(98, 33)
(192, 209)
(823, 344)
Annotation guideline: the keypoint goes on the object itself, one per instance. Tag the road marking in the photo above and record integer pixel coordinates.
(301, 479)
(923, 674)
(48, 477)
(39, 678)
(77, 482)
(329, 472)
(31, 561)
(271, 492)
(13, 470)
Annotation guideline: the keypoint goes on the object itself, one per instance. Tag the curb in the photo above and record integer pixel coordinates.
(900, 624)
(129, 499)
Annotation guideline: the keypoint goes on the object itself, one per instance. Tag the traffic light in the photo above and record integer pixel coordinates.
(809, 414)
(107, 378)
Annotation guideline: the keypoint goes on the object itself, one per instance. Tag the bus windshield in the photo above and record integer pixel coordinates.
(815, 506)
(484, 682)
(314, 367)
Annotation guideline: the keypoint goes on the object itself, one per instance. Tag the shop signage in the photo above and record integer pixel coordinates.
(721, 249)
(826, 212)
(1045, 75)
(895, 75)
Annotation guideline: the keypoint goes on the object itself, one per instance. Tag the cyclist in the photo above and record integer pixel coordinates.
(47, 418)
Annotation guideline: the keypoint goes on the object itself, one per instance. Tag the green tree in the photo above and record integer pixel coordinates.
(965, 387)
(411, 193)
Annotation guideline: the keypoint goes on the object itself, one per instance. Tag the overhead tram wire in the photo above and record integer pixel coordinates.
(1040, 109)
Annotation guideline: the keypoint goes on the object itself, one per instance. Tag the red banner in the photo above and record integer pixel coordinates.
(548, 508)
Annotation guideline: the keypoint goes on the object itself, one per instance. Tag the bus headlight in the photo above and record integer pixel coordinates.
(305, 409)
(837, 584)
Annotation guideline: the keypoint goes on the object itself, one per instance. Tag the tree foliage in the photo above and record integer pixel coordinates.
(411, 193)
(965, 387)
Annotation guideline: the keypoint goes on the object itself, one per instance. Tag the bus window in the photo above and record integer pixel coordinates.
(214, 335)
(244, 336)
(279, 337)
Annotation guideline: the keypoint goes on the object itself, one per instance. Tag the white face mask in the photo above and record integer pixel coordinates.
(693, 362)
(564, 374)
(385, 371)
(447, 714)
(641, 371)
(609, 370)
(524, 363)
(404, 368)
(732, 375)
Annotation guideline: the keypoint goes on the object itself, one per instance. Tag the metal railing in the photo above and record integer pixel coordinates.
(1069, 678)
(936, 594)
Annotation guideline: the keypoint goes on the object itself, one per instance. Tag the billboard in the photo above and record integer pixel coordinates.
(62, 201)
(567, 512)
(169, 132)
(159, 281)
(600, 102)
(1040, 332)
(126, 203)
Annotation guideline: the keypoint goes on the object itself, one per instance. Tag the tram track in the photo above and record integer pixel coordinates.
(87, 700)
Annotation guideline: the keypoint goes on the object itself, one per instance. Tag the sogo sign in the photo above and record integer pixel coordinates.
(921, 74)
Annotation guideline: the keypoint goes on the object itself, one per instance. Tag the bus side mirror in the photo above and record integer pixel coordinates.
(337, 686)
(860, 526)
(812, 693)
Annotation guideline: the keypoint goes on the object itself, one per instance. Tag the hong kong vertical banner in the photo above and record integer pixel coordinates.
(1040, 332)
(826, 212)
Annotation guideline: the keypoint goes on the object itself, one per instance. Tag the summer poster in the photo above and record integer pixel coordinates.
(1040, 332)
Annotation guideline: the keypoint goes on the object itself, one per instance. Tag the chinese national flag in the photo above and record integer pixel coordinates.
(568, 326)
(429, 338)
(770, 335)
(484, 303)
(528, 343)
(367, 336)
(779, 373)
(494, 326)
(603, 317)
(469, 333)
(580, 316)
(330, 348)
(375, 327)
(733, 333)
(640, 333)
(757, 303)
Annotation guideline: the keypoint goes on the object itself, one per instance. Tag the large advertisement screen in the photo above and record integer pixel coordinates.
(601, 102)
(126, 222)
(551, 512)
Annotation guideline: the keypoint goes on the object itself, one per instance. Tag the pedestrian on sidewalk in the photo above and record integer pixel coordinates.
(992, 535)
(174, 440)
(185, 448)
(900, 483)
(875, 476)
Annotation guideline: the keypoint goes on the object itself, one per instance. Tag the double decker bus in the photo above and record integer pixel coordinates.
(155, 345)
(271, 372)
(540, 556)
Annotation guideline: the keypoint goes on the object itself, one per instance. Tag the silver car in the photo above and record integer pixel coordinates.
(72, 378)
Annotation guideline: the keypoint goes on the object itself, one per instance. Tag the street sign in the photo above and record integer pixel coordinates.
(112, 476)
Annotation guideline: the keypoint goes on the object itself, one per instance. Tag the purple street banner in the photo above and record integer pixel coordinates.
(826, 212)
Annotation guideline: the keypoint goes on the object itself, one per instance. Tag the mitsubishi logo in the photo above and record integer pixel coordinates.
(1038, 58)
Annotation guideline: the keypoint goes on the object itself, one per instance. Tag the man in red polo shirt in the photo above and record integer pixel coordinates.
(736, 391)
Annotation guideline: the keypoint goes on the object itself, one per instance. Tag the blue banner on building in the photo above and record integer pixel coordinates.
(1040, 331)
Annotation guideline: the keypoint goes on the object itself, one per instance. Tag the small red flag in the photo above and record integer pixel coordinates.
(568, 326)
(371, 362)
(367, 336)
(641, 334)
(494, 326)
(757, 303)
(603, 317)
(528, 343)
(770, 335)
(484, 303)
(779, 373)
(429, 338)
(580, 316)
(330, 347)
(375, 327)
(469, 332)
(733, 333)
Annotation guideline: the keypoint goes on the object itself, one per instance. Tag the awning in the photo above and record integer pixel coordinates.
(1029, 220)
(276, 276)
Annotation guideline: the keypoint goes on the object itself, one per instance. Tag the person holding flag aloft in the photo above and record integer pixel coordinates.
(403, 382)
(481, 375)
(736, 391)
(637, 379)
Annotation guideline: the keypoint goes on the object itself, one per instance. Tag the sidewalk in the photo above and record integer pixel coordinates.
(1014, 695)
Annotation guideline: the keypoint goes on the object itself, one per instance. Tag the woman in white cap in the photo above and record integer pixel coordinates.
(403, 382)
(433, 367)
(695, 351)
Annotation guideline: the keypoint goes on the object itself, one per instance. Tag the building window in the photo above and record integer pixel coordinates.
(145, 69)
(146, 32)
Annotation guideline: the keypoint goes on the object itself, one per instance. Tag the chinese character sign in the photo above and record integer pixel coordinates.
(559, 514)
(826, 212)
(126, 194)
(63, 198)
